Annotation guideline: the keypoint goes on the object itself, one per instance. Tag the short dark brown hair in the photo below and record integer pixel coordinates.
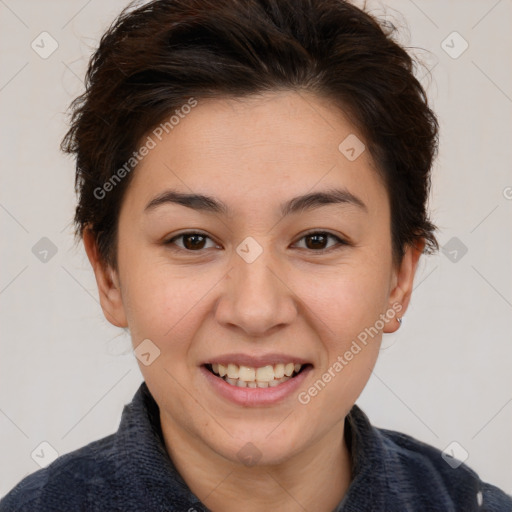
(153, 59)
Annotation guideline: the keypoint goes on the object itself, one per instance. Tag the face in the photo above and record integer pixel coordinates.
(255, 277)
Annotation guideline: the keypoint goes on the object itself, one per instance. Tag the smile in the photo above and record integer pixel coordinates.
(251, 377)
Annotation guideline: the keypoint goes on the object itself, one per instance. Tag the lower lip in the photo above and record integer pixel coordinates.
(250, 397)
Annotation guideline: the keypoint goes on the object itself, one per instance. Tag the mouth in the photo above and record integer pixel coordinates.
(267, 376)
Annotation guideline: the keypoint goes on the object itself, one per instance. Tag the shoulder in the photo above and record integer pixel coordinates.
(87, 472)
(425, 467)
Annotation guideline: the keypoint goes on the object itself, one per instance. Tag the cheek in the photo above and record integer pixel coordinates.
(344, 310)
(163, 301)
(160, 299)
(345, 300)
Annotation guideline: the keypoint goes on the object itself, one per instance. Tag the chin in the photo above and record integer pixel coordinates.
(262, 447)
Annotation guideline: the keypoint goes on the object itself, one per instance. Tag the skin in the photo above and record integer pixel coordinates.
(254, 154)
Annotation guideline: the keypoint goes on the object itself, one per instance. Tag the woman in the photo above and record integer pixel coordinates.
(253, 179)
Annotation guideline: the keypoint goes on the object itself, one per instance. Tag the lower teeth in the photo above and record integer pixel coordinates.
(254, 384)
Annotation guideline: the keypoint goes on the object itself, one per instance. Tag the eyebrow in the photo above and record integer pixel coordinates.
(298, 204)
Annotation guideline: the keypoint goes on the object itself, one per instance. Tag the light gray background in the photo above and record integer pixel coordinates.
(445, 376)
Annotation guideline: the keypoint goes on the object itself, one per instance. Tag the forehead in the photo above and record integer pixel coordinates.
(254, 150)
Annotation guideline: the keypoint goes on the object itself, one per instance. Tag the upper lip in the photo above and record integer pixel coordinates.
(256, 361)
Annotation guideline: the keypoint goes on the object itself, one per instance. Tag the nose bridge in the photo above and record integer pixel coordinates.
(256, 299)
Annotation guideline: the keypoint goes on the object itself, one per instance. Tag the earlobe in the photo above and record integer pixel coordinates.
(400, 296)
(107, 281)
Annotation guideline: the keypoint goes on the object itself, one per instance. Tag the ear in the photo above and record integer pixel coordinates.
(107, 281)
(403, 280)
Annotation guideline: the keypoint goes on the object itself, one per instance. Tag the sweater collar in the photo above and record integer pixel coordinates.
(145, 461)
(146, 464)
(368, 486)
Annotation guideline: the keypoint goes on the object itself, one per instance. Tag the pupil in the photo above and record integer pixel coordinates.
(193, 244)
(316, 237)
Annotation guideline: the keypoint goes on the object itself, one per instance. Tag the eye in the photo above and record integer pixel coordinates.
(316, 240)
(192, 241)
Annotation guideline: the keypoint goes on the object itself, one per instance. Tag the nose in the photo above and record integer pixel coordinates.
(257, 297)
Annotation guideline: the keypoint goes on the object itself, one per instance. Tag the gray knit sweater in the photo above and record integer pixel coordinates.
(131, 471)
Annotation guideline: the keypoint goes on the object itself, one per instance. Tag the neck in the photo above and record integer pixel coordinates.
(317, 478)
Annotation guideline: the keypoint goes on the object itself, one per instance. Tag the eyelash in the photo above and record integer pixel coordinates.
(341, 241)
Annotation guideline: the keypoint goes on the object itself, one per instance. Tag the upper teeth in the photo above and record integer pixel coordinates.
(250, 374)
